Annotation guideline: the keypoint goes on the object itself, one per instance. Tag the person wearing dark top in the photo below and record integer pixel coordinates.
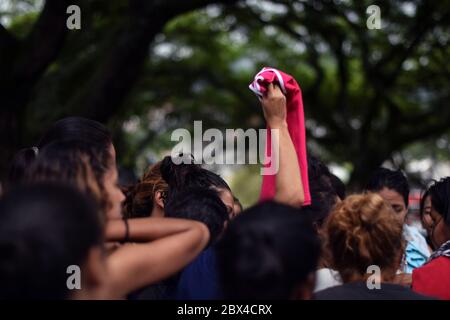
(365, 243)
(47, 232)
(359, 290)
(200, 279)
(192, 193)
(269, 252)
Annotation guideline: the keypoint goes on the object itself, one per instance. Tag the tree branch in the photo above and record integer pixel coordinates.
(104, 93)
(43, 43)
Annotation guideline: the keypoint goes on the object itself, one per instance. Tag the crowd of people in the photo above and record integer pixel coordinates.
(180, 232)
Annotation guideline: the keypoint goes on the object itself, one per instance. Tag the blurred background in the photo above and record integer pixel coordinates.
(144, 68)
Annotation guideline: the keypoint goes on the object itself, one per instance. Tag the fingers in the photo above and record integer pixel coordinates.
(269, 90)
(273, 90)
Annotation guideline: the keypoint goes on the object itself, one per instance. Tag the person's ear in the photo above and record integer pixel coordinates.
(305, 291)
(159, 199)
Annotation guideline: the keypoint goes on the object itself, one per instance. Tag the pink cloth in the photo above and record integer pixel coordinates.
(296, 125)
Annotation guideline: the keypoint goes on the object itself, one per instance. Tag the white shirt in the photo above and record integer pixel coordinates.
(326, 278)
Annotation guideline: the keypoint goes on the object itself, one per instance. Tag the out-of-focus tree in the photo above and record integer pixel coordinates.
(368, 94)
(52, 71)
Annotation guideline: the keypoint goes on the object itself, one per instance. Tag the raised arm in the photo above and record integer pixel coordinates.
(160, 248)
(289, 187)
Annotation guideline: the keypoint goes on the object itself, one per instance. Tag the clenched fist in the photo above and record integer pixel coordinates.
(274, 107)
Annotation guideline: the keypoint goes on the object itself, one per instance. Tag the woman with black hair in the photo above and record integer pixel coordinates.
(393, 187)
(146, 197)
(433, 278)
(195, 194)
(45, 230)
(71, 128)
(151, 249)
(271, 251)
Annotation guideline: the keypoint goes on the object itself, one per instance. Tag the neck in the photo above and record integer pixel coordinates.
(157, 212)
(384, 277)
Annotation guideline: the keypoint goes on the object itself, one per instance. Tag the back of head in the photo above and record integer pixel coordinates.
(180, 172)
(163, 176)
(440, 198)
(316, 168)
(200, 204)
(324, 188)
(74, 163)
(323, 199)
(44, 229)
(72, 128)
(267, 252)
(363, 231)
(390, 179)
(193, 194)
(338, 186)
(211, 179)
(77, 128)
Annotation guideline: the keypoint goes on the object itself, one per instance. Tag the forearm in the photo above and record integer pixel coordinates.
(135, 266)
(146, 229)
(289, 187)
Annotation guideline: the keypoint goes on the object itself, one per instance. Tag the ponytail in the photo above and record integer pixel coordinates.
(182, 175)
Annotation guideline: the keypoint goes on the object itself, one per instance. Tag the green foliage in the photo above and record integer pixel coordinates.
(368, 94)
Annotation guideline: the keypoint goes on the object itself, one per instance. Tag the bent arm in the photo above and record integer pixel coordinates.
(166, 246)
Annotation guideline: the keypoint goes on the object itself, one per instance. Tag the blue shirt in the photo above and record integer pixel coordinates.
(417, 251)
(200, 279)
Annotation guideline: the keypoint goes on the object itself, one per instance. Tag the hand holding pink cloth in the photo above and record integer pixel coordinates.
(296, 126)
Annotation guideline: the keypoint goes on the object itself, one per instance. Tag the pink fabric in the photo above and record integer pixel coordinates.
(296, 125)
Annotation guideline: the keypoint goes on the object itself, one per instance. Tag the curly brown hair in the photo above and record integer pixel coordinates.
(362, 231)
(140, 196)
